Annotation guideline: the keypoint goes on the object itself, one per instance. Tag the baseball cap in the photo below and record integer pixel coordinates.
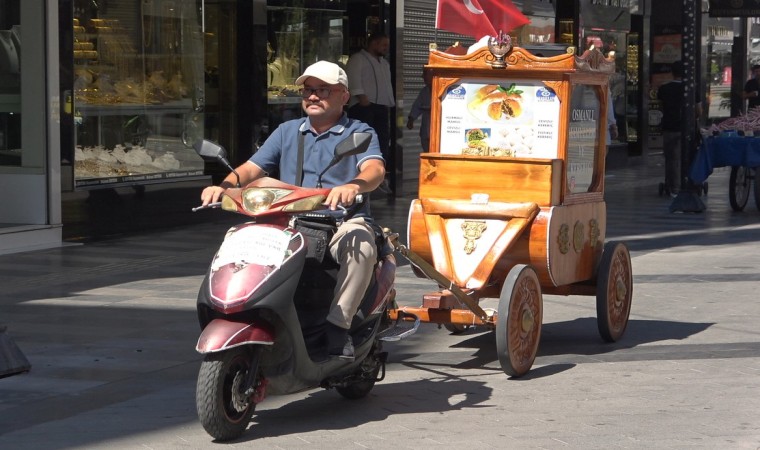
(326, 71)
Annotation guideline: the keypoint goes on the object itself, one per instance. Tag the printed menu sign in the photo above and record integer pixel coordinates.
(582, 141)
(518, 118)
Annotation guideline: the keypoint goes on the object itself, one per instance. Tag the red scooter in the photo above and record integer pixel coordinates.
(264, 301)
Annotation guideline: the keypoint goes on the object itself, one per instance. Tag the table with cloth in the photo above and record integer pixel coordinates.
(721, 151)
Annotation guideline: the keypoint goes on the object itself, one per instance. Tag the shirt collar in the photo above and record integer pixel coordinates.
(338, 128)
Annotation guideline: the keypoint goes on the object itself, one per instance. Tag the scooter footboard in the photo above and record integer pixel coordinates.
(222, 334)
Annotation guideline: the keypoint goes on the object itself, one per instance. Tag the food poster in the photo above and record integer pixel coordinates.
(585, 113)
(517, 118)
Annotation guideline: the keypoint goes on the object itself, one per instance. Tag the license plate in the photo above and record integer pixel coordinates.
(265, 246)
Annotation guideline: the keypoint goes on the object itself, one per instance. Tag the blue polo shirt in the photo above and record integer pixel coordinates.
(280, 150)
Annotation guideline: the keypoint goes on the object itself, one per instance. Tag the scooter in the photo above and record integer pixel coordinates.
(263, 303)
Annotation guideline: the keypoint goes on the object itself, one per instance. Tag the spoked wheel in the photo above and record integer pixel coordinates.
(224, 404)
(738, 187)
(518, 328)
(614, 291)
(755, 172)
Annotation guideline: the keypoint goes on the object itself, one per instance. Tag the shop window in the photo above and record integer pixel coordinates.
(138, 91)
(10, 83)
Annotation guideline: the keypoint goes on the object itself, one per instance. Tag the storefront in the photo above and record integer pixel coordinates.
(30, 216)
(616, 28)
(148, 79)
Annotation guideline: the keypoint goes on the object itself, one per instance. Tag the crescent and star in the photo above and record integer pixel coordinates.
(470, 7)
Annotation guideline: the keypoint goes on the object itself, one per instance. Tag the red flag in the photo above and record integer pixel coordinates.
(478, 18)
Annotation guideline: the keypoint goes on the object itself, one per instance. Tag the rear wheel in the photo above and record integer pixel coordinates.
(614, 291)
(223, 401)
(365, 377)
(738, 187)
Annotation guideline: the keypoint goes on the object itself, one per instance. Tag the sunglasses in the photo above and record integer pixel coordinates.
(322, 92)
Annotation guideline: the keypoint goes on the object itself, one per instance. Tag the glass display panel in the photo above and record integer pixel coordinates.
(138, 90)
(583, 139)
(10, 83)
(486, 117)
(299, 37)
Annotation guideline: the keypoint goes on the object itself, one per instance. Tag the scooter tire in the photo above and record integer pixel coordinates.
(223, 410)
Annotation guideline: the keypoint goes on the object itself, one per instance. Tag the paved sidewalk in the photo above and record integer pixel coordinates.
(109, 328)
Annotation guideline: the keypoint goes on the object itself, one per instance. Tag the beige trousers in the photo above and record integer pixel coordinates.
(353, 247)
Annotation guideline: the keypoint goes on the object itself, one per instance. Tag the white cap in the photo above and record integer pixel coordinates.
(326, 71)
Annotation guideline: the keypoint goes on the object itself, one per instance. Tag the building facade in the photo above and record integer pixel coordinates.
(100, 102)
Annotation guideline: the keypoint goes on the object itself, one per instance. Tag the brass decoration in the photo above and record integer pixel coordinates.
(499, 46)
(430, 170)
(593, 232)
(473, 230)
(563, 238)
(578, 237)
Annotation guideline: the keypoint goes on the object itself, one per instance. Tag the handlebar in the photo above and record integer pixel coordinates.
(210, 205)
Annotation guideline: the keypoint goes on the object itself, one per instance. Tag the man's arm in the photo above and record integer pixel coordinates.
(371, 174)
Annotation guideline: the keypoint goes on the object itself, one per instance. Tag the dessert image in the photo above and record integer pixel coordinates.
(496, 102)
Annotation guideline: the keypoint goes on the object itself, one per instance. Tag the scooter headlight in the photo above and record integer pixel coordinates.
(256, 200)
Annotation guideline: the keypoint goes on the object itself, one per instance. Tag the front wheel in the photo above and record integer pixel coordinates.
(518, 329)
(224, 394)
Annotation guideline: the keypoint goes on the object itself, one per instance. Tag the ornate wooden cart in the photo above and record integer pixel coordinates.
(511, 197)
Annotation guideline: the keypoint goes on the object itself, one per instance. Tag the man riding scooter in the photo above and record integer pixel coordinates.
(324, 93)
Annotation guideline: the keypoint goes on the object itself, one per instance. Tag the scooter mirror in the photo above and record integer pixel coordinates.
(355, 144)
(209, 150)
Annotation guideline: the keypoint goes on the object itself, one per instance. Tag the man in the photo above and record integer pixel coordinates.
(671, 95)
(752, 88)
(421, 107)
(371, 89)
(324, 93)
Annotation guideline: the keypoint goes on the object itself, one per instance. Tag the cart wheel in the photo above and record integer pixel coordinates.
(456, 328)
(614, 291)
(518, 328)
(738, 187)
(757, 187)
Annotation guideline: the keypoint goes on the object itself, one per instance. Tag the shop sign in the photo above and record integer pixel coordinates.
(606, 14)
(734, 8)
(666, 48)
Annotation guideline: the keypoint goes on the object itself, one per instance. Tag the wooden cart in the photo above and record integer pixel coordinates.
(511, 197)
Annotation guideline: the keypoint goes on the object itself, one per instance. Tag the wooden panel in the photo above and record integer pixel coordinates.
(457, 177)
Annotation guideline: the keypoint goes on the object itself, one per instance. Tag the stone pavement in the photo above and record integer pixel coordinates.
(109, 328)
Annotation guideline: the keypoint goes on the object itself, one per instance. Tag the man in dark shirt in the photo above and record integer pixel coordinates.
(752, 88)
(671, 96)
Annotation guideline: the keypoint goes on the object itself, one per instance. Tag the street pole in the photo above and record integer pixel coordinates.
(687, 199)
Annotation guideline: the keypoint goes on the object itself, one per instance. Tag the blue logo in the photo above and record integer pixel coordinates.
(456, 91)
(545, 94)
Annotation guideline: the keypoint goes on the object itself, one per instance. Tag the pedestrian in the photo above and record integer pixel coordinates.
(421, 108)
(671, 95)
(324, 92)
(612, 128)
(752, 88)
(372, 96)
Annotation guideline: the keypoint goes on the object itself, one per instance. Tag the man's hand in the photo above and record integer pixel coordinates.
(344, 195)
(409, 123)
(211, 194)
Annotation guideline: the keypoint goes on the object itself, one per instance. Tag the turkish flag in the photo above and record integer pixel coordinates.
(478, 18)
